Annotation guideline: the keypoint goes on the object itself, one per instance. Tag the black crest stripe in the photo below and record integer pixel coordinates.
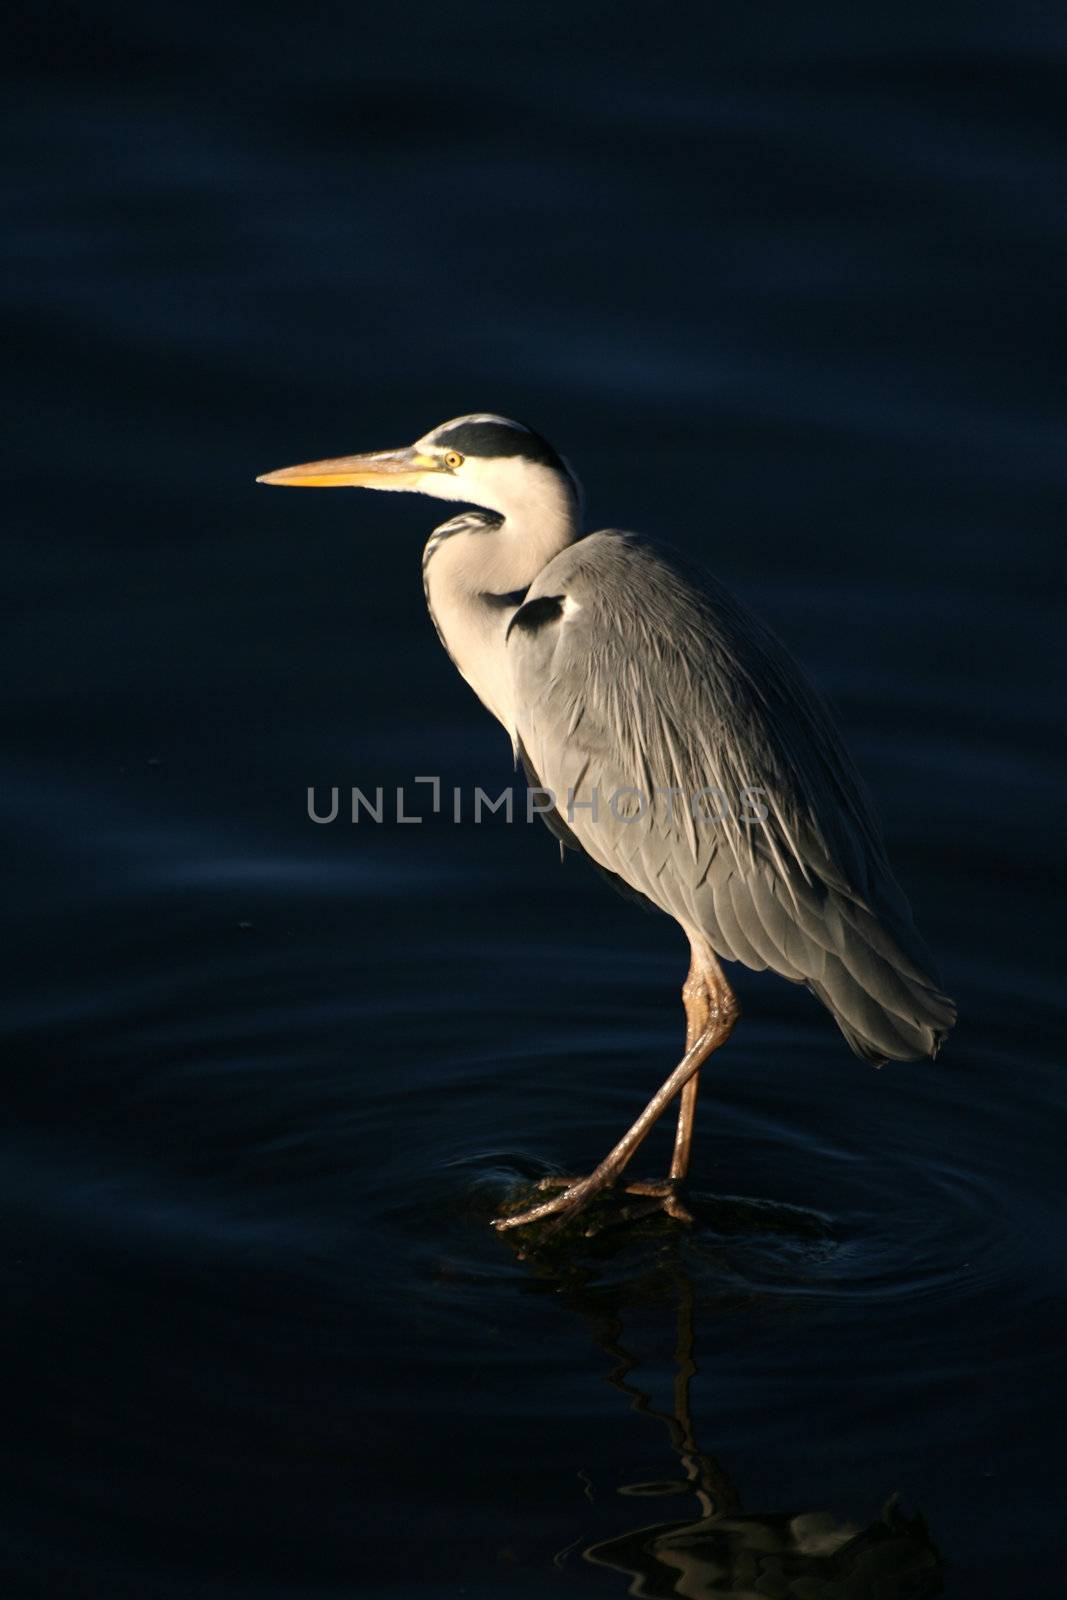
(497, 439)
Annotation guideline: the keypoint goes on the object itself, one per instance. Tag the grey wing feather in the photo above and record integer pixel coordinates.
(644, 677)
(566, 837)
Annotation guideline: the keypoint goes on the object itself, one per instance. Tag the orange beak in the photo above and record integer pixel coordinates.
(382, 469)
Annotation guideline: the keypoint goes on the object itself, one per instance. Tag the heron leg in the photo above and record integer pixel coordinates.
(669, 1191)
(715, 1018)
(696, 1001)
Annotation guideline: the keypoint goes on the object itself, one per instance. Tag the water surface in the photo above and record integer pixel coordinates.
(787, 293)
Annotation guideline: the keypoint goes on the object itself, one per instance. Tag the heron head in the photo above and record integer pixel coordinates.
(483, 460)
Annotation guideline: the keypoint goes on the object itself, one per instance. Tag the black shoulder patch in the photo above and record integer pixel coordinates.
(536, 614)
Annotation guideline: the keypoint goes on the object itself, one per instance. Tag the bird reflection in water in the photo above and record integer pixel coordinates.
(725, 1550)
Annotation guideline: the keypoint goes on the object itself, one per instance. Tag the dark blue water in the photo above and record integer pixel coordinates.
(787, 289)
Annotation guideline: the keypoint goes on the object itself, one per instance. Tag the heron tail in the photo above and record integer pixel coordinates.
(876, 979)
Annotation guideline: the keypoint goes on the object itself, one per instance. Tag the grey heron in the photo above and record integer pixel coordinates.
(617, 672)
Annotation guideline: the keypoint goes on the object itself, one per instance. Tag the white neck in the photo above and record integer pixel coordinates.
(476, 568)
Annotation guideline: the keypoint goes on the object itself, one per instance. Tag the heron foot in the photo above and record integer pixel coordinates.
(670, 1192)
(575, 1194)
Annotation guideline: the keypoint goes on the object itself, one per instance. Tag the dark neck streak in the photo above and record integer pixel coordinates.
(476, 521)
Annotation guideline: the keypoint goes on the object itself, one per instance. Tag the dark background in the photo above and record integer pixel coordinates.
(786, 286)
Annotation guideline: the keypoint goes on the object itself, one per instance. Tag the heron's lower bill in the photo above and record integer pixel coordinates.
(382, 469)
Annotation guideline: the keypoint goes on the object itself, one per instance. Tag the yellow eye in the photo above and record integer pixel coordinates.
(453, 459)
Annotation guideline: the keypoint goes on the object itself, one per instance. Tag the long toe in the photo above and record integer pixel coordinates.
(670, 1193)
(675, 1207)
(661, 1194)
(568, 1200)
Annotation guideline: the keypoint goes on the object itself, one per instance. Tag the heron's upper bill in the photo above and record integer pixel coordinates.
(382, 469)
